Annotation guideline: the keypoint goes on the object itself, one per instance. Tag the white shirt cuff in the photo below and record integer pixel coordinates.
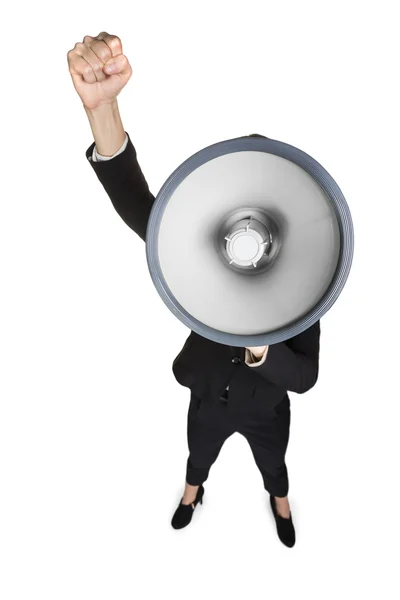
(96, 157)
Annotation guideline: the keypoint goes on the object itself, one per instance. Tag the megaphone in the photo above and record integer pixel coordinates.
(249, 241)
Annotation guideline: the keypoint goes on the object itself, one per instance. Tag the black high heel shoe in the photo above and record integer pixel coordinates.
(184, 512)
(284, 527)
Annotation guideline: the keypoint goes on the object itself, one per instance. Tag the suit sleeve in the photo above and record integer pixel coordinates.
(96, 157)
(293, 365)
(126, 186)
(187, 369)
(180, 368)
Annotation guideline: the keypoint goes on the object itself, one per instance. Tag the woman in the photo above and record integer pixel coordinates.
(233, 389)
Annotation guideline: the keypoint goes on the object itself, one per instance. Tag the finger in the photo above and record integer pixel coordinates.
(93, 60)
(112, 41)
(79, 68)
(118, 65)
(99, 47)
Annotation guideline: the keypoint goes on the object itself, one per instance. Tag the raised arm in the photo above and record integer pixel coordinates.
(98, 87)
(121, 176)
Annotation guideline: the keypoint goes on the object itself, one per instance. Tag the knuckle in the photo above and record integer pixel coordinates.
(87, 39)
(115, 41)
(79, 46)
(73, 59)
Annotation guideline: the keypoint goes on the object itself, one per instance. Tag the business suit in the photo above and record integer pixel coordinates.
(228, 393)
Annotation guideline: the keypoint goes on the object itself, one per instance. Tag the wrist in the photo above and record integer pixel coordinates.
(104, 109)
(107, 128)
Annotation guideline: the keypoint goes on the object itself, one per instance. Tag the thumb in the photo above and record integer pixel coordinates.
(118, 65)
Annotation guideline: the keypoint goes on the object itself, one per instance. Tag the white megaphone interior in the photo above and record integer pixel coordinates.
(202, 281)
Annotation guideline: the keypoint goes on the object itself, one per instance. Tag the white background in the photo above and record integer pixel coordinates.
(93, 423)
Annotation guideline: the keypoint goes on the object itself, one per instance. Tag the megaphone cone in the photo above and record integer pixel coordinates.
(249, 241)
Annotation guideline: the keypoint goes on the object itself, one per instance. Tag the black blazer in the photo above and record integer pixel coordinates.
(204, 366)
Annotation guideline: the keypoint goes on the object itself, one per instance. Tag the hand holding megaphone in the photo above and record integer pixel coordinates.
(258, 351)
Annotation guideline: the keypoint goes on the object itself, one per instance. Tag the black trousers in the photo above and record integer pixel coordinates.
(266, 430)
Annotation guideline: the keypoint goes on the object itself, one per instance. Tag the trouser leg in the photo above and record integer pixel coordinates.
(208, 428)
(268, 439)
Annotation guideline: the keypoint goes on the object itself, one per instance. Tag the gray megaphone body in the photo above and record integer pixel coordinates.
(249, 242)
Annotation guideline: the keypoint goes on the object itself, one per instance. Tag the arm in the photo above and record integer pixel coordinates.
(99, 70)
(180, 368)
(96, 157)
(293, 365)
(121, 176)
(189, 370)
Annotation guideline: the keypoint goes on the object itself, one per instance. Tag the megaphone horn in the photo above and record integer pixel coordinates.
(249, 242)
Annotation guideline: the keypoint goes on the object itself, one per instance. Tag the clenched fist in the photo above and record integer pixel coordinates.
(99, 69)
